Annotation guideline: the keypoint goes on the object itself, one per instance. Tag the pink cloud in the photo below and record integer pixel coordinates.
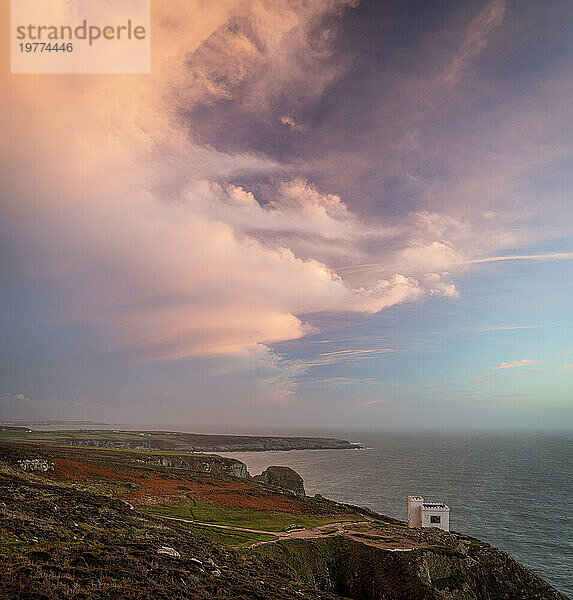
(525, 362)
(553, 256)
(374, 402)
(213, 270)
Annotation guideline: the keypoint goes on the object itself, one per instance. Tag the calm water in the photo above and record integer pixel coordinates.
(512, 490)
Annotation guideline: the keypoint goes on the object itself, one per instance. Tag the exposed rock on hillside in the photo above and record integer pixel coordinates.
(453, 571)
(203, 463)
(282, 477)
(31, 457)
(36, 464)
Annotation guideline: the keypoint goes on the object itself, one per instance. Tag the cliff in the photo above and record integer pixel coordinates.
(85, 523)
(458, 569)
(27, 455)
(217, 466)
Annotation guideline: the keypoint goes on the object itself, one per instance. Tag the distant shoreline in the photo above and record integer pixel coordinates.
(172, 440)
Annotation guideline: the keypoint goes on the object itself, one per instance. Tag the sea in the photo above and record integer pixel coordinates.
(513, 490)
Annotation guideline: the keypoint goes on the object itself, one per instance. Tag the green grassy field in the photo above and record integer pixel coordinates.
(150, 451)
(99, 434)
(234, 539)
(267, 520)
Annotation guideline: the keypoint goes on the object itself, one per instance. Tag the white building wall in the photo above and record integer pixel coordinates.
(415, 511)
(432, 514)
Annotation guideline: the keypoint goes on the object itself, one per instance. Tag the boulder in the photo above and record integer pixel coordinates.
(167, 550)
(284, 478)
(36, 464)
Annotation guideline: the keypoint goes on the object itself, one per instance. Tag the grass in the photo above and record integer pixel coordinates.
(56, 436)
(12, 435)
(479, 544)
(150, 451)
(13, 545)
(179, 447)
(267, 520)
(234, 539)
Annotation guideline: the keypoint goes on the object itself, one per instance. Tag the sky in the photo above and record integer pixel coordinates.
(310, 215)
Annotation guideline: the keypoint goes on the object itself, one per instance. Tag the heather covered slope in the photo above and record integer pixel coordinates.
(201, 487)
(59, 542)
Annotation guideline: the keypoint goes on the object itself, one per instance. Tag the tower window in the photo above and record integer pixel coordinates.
(435, 519)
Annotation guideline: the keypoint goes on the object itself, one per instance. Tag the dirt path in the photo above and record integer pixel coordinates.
(389, 538)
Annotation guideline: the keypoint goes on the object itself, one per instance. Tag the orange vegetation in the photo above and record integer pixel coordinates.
(152, 487)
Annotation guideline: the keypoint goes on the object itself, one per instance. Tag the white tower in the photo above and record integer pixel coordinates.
(415, 511)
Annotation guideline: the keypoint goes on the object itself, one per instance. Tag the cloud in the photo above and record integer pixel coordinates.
(258, 69)
(210, 274)
(15, 404)
(297, 215)
(173, 255)
(476, 39)
(180, 263)
(428, 258)
(336, 381)
(171, 258)
(330, 358)
(374, 402)
(525, 362)
(506, 328)
(551, 256)
(357, 353)
(14, 397)
(290, 122)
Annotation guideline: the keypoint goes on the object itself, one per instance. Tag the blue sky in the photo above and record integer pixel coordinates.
(310, 215)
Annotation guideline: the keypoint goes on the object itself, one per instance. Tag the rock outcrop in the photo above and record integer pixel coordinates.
(284, 478)
(36, 464)
(472, 571)
(217, 466)
(28, 457)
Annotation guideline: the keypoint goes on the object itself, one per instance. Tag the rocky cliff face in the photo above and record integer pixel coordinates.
(214, 465)
(28, 458)
(472, 571)
(284, 478)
